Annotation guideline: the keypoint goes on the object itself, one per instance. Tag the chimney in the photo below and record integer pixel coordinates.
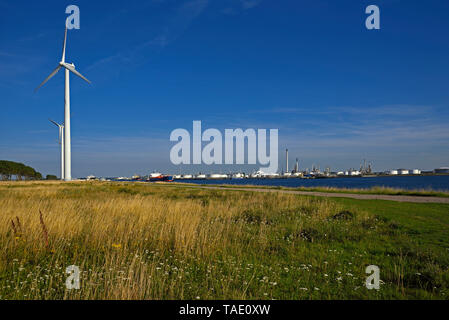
(286, 165)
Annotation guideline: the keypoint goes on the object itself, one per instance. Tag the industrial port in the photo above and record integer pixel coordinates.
(365, 170)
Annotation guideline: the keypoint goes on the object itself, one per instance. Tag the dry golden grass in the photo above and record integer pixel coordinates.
(135, 241)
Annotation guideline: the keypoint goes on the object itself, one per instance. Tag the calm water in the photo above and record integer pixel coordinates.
(407, 182)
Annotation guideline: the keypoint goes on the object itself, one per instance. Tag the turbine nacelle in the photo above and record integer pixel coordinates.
(63, 64)
(61, 130)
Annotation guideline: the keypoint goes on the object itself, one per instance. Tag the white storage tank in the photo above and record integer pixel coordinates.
(393, 172)
(218, 176)
(416, 171)
(403, 171)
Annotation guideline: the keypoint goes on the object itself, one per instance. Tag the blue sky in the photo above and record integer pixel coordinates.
(337, 92)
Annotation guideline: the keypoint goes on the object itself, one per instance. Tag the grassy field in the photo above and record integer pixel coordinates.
(141, 241)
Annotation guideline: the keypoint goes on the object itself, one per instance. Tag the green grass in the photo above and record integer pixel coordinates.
(428, 223)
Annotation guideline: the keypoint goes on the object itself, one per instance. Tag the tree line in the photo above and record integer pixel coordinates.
(10, 169)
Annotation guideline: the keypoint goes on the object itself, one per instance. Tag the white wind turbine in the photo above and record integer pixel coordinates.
(61, 142)
(67, 143)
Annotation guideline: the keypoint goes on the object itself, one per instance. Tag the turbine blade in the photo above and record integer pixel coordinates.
(49, 77)
(80, 75)
(72, 69)
(55, 123)
(64, 45)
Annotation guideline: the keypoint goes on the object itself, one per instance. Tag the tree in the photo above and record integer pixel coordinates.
(8, 169)
(51, 177)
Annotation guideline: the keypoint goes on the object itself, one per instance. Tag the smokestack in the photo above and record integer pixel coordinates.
(286, 165)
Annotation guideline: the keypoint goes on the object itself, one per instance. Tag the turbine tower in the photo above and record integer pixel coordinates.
(61, 143)
(67, 143)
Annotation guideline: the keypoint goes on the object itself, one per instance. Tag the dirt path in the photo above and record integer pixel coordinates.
(415, 199)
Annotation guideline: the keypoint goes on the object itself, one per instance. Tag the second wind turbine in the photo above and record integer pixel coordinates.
(61, 143)
(67, 142)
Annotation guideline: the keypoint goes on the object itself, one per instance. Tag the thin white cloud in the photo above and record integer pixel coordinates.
(238, 6)
(175, 25)
(249, 4)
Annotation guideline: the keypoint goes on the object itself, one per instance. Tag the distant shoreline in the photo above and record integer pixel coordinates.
(327, 177)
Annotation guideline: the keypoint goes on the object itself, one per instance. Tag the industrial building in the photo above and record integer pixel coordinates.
(442, 170)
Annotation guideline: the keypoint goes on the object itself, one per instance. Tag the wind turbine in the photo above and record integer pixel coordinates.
(67, 143)
(61, 142)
